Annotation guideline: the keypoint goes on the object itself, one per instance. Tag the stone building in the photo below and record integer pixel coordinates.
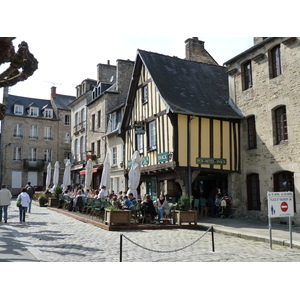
(33, 133)
(79, 128)
(104, 115)
(264, 84)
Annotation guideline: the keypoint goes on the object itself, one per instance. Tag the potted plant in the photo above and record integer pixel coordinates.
(115, 215)
(54, 199)
(42, 199)
(184, 214)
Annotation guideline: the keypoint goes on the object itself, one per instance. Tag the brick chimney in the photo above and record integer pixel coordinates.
(53, 92)
(194, 50)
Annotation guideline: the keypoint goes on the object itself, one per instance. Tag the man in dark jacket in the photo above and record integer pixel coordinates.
(30, 191)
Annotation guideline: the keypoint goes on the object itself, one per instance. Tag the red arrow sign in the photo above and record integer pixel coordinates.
(284, 206)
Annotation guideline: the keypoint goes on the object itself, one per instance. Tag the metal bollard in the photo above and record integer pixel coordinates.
(212, 238)
(121, 245)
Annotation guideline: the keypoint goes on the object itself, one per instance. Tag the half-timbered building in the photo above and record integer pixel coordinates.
(179, 117)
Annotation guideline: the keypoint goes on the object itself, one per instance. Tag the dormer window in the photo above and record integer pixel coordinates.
(18, 109)
(33, 112)
(48, 113)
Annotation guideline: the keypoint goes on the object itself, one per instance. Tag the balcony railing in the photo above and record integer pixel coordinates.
(37, 164)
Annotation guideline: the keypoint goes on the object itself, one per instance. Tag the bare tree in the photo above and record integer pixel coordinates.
(22, 64)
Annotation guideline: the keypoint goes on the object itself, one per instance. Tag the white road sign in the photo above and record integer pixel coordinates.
(280, 204)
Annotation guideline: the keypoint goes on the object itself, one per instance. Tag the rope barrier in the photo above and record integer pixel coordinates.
(164, 251)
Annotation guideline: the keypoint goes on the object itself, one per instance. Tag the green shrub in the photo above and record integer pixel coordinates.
(184, 203)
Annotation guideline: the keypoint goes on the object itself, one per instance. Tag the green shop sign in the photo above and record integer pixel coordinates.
(161, 157)
(144, 159)
(211, 161)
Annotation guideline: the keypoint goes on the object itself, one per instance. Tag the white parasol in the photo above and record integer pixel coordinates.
(67, 175)
(48, 177)
(55, 175)
(105, 178)
(88, 174)
(134, 174)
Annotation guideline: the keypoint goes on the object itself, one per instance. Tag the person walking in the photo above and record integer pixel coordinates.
(30, 191)
(25, 201)
(5, 197)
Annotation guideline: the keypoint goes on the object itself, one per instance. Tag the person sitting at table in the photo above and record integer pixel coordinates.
(96, 196)
(132, 198)
(127, 204)
(103, 192)
(78, 201)
(163, 207)
(148, 207)
(120, 197)
(115, 202)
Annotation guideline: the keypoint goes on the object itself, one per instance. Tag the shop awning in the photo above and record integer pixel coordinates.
(95, 170)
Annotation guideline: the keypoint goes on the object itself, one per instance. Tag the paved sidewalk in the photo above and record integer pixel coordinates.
(51, 236)
(255, 230)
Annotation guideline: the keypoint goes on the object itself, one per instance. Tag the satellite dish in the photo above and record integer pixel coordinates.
(111, 78)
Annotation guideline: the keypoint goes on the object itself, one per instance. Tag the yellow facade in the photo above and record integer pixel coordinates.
(210, 139)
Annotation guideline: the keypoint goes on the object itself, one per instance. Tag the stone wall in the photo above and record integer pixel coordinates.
(259, 100)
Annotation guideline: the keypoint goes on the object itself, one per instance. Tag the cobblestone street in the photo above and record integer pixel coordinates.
(59, 238)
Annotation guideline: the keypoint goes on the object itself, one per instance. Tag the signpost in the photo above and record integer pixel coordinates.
(280, 204)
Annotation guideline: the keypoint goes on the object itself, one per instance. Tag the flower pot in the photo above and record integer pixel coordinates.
(117, 217)
(53, 201)
(42, 202)
(186, 216)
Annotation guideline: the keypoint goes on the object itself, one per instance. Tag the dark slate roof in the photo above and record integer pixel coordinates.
(189, 87)
(63, 101)
(26, 102)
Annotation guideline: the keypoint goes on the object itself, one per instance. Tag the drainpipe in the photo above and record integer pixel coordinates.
(190, 118)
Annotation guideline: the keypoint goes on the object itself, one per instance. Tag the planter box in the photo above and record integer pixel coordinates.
(117, 217)
(53, 201)
(186, 216)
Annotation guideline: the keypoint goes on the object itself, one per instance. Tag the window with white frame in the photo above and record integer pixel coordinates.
(17, 153)
(32, 154)
(18, 130)
(68, 138)
(82, 142)
(48, 113)
(18, 109)
(140, 143)
(152, 135)
(114, 156)
(113, 121)
(33, 112)
(48, 155)
(48, 133)
(78, 150)
(33, 132)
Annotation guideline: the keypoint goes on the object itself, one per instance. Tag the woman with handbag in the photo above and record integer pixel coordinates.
(25, 200)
